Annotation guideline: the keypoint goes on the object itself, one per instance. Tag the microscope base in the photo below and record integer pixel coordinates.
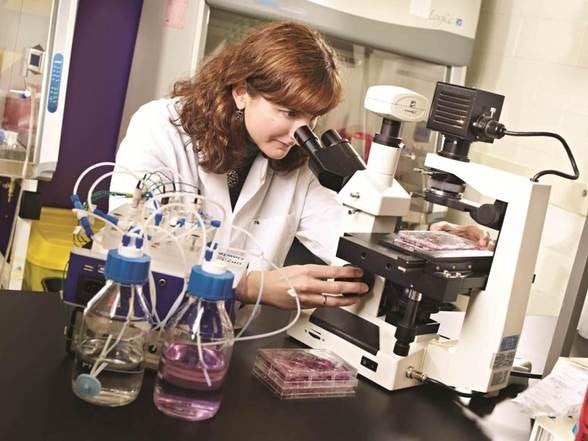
(365, 343)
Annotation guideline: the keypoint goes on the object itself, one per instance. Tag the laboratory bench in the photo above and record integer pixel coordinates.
(36, 401)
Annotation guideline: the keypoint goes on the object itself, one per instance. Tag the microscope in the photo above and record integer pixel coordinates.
(389, 336)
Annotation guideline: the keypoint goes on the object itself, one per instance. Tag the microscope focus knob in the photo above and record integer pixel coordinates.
(401, 349)
(406, 328)
(367, 278)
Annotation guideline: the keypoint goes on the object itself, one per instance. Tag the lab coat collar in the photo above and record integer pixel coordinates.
(255, 181)
(215, 184)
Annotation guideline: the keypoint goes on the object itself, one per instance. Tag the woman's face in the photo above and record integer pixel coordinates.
(271, 126)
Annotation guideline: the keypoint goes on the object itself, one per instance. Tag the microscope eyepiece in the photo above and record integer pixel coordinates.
(332, 164)
(331, 137)
(307, 139)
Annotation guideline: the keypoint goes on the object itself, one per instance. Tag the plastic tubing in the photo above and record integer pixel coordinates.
(174, 307)
(89, 213)
(95, 184)
(195, 196)
(172, 205)
(96, 369)
(182, 255)
(189, 231)
(196, 328)
(153, 297)
(291, 291)
(102, 164)
(174, 173)
(259, 295)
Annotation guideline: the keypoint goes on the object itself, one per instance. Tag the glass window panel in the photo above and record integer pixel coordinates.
(24, 28)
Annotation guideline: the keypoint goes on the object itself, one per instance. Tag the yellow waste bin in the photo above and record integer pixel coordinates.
(50, 243)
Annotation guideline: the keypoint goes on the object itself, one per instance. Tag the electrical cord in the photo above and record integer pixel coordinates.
(526, 375)
(535, 178)
(455, 391)
(479, 394)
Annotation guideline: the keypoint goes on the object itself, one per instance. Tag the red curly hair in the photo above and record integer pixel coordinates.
(287, 63)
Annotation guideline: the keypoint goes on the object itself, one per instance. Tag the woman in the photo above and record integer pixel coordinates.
(229, 132)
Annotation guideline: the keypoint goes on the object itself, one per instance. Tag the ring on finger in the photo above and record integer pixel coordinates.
(324, 300)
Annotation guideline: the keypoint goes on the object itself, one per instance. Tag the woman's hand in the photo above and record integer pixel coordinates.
(311, 284)
(471, 232)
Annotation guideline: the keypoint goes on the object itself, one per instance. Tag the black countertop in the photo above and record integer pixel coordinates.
(36, 401)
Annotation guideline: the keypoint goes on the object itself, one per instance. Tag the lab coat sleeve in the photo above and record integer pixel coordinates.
(152, 142)
(321, 222)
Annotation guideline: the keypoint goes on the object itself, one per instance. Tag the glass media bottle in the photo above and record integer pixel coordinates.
(109, 361)
(197, 347)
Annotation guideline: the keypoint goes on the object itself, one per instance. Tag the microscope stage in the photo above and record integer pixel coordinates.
(439, 275)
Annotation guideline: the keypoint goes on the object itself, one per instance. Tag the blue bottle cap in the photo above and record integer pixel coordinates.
(211, 282)
(127, 270)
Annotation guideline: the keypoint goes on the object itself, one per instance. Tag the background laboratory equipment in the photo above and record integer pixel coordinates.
(35, 49)
(46, 83)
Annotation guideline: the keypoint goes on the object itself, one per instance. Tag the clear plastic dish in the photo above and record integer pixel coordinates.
(300, 373)
(433, 241)
(299, 393)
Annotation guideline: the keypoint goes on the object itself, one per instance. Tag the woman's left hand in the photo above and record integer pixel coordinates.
(313, 283)
(471, 232)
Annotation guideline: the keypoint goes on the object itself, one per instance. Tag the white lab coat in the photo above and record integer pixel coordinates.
(273, 207)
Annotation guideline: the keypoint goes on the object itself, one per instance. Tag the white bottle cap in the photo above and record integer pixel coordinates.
(129, 251)
(214, 267)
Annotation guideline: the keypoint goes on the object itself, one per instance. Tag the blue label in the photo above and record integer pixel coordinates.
(509, 343)
(55, 83)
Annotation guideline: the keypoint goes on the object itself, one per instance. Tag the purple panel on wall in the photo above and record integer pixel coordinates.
(102, 54)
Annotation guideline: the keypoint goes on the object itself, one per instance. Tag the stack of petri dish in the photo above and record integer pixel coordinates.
(416, 240)
(305, 373)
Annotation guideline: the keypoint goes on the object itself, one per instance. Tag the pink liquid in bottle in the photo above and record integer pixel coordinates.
(187, 387)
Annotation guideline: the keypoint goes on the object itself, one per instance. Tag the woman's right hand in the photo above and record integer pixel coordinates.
(311, 284)
(472, 232)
